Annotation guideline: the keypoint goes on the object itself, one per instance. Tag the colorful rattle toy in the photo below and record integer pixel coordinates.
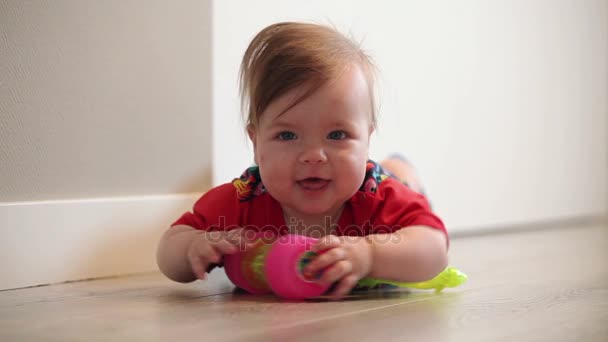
(275, 265)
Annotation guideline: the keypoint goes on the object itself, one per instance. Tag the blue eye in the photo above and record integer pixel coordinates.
(286, 135)
(337, 135)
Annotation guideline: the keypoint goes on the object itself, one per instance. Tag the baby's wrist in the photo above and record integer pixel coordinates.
(368, 255)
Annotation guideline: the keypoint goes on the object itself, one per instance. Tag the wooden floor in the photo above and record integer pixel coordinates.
(545, 285)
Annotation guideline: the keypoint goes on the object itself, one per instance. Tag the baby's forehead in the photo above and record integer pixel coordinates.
(338, 99)
(300, 119)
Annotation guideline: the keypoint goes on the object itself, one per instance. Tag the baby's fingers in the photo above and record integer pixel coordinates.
(324, 260)
(229, 242)
(200, 255)
(325, 243)
(336, 272)
(225, 247)
(202, 248)
(199, 267)
(344, 287)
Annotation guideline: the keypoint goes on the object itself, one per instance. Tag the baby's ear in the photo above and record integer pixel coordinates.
(251, 134)
(252, 137)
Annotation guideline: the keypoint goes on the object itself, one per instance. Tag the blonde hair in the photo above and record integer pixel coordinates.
(287, 55)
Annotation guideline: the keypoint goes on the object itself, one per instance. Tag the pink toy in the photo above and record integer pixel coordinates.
(275, 265)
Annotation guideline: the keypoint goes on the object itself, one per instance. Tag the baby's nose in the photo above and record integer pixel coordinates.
(313, 156)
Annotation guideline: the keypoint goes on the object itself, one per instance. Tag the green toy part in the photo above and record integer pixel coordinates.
(449, 277)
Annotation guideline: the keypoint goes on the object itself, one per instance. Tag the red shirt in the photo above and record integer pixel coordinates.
(381, 205)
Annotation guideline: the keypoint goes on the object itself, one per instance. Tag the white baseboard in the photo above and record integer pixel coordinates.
(57, 241)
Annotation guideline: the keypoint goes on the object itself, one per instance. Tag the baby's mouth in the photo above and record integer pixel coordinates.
(313, 183)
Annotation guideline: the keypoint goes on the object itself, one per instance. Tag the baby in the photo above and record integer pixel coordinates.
(307, 91)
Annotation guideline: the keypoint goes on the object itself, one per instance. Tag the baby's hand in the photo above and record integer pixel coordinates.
(346, 260)
(208, 248)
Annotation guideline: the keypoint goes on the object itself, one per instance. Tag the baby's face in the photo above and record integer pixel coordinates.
(312, 157)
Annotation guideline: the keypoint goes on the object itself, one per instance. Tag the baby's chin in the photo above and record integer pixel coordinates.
(319, 212)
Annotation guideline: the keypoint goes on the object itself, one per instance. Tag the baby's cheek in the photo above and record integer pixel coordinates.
(269, 157)
(259, 160)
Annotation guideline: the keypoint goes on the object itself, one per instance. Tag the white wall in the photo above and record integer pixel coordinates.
(98, 98)
(502, 105)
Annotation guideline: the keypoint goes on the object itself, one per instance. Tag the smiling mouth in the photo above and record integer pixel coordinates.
(313, 183)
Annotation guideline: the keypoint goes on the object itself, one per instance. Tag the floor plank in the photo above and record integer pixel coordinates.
(546, 285)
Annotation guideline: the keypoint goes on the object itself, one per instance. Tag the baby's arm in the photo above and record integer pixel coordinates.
(411, 254)
(184, 253)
